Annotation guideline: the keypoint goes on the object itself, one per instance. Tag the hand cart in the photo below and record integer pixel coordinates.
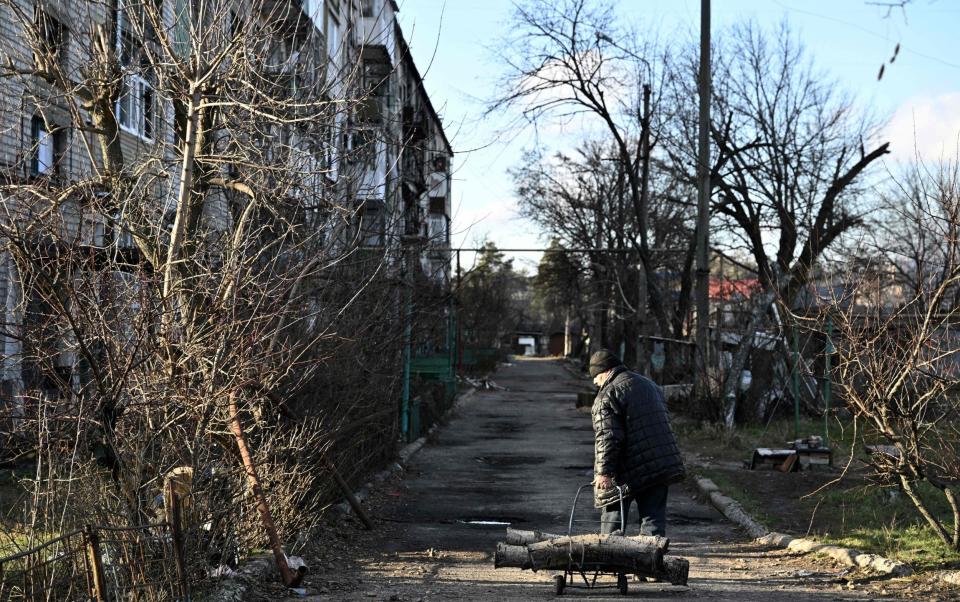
(584, 569)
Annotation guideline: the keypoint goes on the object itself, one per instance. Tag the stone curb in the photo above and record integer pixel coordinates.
(761, 534)
(951, 577)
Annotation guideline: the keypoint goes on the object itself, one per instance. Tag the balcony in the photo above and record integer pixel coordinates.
(437, 183)
(437, 229)
(375, 33)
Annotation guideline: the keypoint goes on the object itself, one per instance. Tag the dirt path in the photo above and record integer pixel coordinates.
(517, 456)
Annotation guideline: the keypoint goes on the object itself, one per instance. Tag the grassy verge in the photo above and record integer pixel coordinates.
(829, 505)
(729, 487)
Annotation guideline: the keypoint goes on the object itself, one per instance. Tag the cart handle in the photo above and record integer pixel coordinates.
(623, 516)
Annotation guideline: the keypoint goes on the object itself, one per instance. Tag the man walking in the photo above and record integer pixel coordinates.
(633, 445)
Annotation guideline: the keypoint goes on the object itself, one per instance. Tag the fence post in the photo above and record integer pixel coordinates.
(796, 383)
(176, 533)
(96, 564)
(826, 382)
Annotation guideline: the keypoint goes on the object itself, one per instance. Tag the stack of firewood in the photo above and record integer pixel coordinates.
(640, 555)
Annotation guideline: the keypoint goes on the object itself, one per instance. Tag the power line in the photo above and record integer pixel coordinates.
(561, 250)
(866, 31)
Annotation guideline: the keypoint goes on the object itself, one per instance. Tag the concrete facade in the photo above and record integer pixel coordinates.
(387, 158)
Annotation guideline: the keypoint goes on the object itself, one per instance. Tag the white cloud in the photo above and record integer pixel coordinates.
(928, 127)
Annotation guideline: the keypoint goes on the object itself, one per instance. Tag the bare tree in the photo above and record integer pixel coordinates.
(898, 370)
(183, 242)
(572, 59)
(791, 152)
(584, 201)
(915, 229)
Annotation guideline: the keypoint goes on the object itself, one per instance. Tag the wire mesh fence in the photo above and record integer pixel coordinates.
(135, 563)
(141, 563)
(55, 570)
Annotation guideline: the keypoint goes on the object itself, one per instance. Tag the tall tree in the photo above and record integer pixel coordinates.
(791, 154)
(489, 297)
(573, 58)
(558, 290)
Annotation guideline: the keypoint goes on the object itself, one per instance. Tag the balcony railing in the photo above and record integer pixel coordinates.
(437, 230)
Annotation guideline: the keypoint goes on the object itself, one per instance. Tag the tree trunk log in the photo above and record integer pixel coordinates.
(731, 384)
(520, 537)
(676, 570)
(613, 552)
(512, 556)
(351, 497)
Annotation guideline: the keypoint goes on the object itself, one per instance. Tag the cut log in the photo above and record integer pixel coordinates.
(676, 570)
(672, 569)
(512, 556)
(613, 552)
(520, 537)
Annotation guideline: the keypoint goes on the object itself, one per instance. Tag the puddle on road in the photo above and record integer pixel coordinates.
(568, 427)
(498, 522)
(485, 523)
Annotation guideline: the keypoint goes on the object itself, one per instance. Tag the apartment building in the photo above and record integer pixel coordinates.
(380, 149)
(405, 187)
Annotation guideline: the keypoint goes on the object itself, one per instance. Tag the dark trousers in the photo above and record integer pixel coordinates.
(652, 506)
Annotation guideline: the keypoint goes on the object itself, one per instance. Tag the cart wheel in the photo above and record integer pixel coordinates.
(622, 583)
(559, 583)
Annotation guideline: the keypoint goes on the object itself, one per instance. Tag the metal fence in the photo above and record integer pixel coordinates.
(670, 361)
(56, 570)
(102, 564)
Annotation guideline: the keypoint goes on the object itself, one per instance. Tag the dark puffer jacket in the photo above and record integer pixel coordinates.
(633, 440)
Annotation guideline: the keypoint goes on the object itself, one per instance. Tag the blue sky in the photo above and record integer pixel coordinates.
(919, 95)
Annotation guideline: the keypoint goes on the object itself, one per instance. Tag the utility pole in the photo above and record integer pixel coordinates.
(701, 382)
(643, 360)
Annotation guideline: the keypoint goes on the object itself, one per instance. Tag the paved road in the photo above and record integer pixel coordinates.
(517, 456)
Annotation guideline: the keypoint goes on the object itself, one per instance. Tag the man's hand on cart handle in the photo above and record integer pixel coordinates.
(603, 481)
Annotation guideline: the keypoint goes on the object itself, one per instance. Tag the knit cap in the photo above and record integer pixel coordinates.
(603, 360)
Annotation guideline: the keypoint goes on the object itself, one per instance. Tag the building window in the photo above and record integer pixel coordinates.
(372, 223)
(361, 146)
(137, 106)
(333, 38)
(46, 149)
(52, 43)
(366, 8)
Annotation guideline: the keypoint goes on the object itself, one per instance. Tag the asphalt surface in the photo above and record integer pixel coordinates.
(518, 456)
